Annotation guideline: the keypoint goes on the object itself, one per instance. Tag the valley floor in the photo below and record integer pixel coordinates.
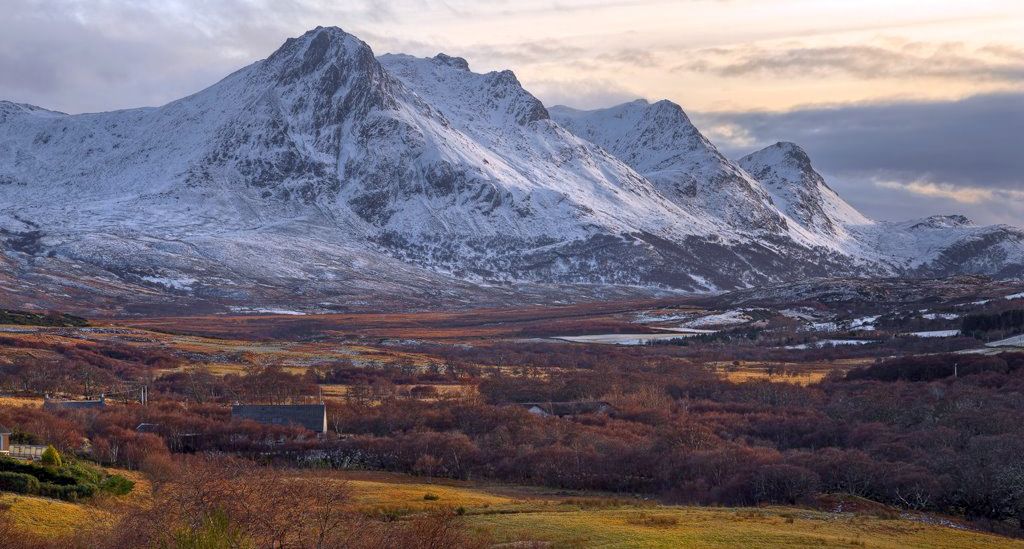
(761, 400)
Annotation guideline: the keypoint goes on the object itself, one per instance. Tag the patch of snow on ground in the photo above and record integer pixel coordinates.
(624, 339)
(797, 314)
(943, 316)
(679, 330)
(1015, 296)
(183, 283)
(647, 317)
(824, 327)
(833, 342)
(936, 333)
(866, 321)
(266, 310)
(1015, 341)
(865, 324)
(722, 319)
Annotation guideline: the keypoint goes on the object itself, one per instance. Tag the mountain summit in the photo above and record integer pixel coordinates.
(327, 178)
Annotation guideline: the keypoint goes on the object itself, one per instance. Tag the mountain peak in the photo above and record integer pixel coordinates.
(454, 62)
(786, 171)
(783, 154)
(790, 148)
(319, 49)
(942, 222)
(457, 91)
(660, 142)
(320, 35)
(10, 111)
(326, 33)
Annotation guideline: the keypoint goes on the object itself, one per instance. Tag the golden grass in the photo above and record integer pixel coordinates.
(512, 514)
(52, 518)
(369, 494)
(796, 373)
(33, 402)
(724, 528)
(520, 514)
(795, 378)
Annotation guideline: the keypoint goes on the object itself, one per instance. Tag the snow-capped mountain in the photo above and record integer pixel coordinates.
(325, 177)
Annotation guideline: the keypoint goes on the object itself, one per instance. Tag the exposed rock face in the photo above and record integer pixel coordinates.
(324, 174)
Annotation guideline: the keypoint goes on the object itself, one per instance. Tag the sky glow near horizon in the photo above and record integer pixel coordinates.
(826, 73)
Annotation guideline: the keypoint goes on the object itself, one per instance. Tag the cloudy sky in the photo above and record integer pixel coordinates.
(909, 107)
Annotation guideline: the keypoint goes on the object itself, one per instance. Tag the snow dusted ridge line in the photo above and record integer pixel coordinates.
(324, 173)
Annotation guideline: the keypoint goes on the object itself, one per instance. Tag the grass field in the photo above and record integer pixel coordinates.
(522, 515)
(724, 528)
(51, 518)
(33, 402)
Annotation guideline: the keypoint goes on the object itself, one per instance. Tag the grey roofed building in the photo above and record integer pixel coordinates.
(74, 404)
(310, 416)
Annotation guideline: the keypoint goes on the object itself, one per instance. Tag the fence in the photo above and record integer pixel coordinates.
(27, 451)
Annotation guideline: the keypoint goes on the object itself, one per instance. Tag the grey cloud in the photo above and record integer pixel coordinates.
(633, 57)
(973, 143)
(892, 200)
(466, 8)
(945, 60)
(527, 53)
(561, 53)
(580, 94)
(77, 56)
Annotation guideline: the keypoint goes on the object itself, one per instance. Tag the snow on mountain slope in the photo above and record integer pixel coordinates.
(690, 246)
(323, 175)
(780, 183)
(935, 246)
(947, 245)
(800, 192)
(659, 141)
(536, 167)
(316, 168)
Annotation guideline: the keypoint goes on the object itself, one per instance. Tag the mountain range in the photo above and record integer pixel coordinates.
(326, 178)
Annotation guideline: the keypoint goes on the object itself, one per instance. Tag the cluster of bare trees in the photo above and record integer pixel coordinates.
(907, 432)
(224, 503)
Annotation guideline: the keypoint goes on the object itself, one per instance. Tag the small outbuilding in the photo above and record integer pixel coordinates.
(310, 416)
(50, 404)
(572, 408)
(5, 441)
